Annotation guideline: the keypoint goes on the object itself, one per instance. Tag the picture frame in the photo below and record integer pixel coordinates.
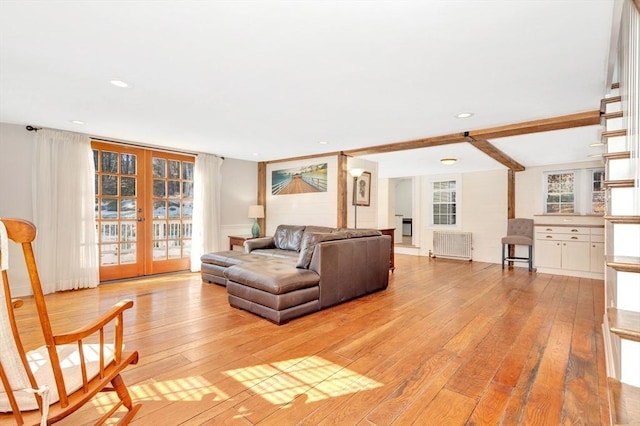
(362, 190)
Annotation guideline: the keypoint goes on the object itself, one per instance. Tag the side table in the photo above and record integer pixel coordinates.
(238, 240)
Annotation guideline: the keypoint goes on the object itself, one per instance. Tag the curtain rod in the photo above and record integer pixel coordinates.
(175, 151)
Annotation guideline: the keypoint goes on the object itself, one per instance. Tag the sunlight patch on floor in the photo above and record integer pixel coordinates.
(317, 378)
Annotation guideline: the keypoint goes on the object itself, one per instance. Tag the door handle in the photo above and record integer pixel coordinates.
(140, 219)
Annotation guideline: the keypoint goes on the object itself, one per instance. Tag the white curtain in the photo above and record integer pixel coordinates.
(206, 207)
(63, 203)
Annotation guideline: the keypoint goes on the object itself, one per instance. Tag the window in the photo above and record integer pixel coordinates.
(444, 202)
(597, 191)
(574, 192)
(560, 192)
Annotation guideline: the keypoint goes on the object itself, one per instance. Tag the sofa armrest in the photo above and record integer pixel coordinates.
(259, 243)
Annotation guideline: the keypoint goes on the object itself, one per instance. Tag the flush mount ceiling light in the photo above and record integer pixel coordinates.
(119, 83)
(596, 144)
(323, 142)
(464, 115)
(78, 122)
(448, 161)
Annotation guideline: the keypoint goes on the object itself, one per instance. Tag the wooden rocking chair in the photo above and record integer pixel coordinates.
(47, 384)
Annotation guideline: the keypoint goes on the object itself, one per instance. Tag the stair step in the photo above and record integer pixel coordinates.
(610, 116)
(624, 263)
(623, 399)
(622, 183)
(612, 133)
(625, 324)
(620, 155)
(611, 100)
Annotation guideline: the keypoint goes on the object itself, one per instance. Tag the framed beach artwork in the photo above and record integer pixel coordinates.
(362, 191)
(299, 180)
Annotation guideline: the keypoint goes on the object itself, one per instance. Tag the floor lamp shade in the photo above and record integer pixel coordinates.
(256, 212)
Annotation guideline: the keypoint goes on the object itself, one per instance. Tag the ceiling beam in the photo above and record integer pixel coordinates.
(493, 152)
(589, 118)
(403, 146)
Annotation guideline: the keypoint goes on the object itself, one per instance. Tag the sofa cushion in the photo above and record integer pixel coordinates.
(288, 237)
(309, 242)
(274, 276)
(274, 252)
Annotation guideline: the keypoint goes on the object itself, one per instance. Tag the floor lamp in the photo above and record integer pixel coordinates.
(355, 173)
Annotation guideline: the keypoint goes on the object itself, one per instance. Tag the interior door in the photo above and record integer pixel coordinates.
(143, 208)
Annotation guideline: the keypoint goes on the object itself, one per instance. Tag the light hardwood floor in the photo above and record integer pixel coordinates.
(448, 343)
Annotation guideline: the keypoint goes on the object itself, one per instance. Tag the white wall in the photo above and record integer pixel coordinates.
(484, 212)
(16, 150)
(239, 191)
(367, 215)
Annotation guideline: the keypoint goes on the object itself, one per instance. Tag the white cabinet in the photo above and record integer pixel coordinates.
(597, 250)
(576, 256)
(570, 250)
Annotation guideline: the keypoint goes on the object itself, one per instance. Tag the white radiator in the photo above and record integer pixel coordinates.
(452, 244)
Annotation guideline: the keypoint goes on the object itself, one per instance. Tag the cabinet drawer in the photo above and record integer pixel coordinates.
(563, 237)
(563, 230)
(597, 231)
(597, 238)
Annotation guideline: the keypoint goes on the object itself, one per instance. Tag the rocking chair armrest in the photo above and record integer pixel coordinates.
(80, 333)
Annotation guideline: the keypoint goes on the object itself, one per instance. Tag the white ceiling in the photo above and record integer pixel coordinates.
(264, 80)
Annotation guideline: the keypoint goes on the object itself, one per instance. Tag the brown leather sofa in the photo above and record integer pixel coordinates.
(304, 269)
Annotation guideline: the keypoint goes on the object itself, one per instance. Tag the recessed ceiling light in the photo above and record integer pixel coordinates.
(596, 144)
(255, 154)
(79, 122)
(464, 115)
(448, 161)
(119, 83)
(323, 142)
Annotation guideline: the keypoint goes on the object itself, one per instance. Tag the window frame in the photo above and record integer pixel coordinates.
(583, 191)
(457, 204)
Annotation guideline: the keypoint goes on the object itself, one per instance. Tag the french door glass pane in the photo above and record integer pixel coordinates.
(187, 170)
(109, 162)
(159, 167)
(127, 253)
(109, 185)
(128, 186)
(109, 208)
(174, 169)
(128, 164)
(159, 189)
(128, 208)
